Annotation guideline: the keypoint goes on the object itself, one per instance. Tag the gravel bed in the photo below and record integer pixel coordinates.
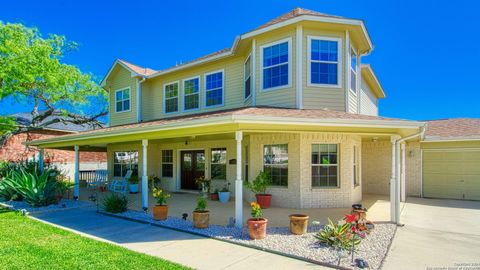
(372, 249)
(62, 205)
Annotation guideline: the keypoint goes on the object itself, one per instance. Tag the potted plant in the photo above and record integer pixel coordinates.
(224, 194)
(298, 224)
(204, 185)
(153, 181)
(214, 195)
(259, 186)
(201, 215)
(160, 210)
(257, 225)
(133, 184)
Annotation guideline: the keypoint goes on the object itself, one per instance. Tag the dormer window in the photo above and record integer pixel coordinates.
(122, 100)
(191, 94)
(275, 65)
(353, 71)
(324, 59)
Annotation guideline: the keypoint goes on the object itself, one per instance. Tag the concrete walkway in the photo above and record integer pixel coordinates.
(438, 234)
(189, 250)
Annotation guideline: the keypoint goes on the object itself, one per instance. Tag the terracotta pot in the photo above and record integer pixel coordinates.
(257, 228)
(298, 223)
(214, 196)
(201, 219)
(264, 200)
(160, 212)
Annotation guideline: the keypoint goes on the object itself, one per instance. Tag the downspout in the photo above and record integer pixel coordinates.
(397, 143)
(139, 99)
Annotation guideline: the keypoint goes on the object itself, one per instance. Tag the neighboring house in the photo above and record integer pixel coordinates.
(291, 97)
(15, 149)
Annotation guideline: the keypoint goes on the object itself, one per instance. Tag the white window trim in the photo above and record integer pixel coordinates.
(249, 76)
(165, 97)
(129, 100)
(289, 85)
(163, 162)
(212, 163)
(354, 92)
(338, 166)
(263, 163)
(199, 93)
(339, 61)
(205, 88)
(356, 166)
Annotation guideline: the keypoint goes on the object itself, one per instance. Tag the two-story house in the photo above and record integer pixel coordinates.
(291, 97)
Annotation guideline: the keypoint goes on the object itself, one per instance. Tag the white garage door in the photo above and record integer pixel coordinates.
(451, 173)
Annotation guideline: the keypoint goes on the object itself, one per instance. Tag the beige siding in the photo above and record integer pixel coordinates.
(352, 102)
(368, 101)
(119, 79)
(284, 97)
(323, 97)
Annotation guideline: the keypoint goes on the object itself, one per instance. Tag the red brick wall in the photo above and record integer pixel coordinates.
(14, 149)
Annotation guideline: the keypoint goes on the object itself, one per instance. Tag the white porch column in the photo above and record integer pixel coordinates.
(76, 170)
(40, 160)
(144, 175)
(239, 182)
(393, 140)
(397, 182)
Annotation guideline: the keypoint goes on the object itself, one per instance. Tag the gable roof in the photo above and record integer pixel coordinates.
(134, 69)
(369, 76)
(25, 118)
(453, 129)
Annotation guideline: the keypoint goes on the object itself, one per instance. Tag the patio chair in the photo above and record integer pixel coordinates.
(121, 185)
(99, 180)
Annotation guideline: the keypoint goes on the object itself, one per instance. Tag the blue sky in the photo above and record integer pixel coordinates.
(426, 52)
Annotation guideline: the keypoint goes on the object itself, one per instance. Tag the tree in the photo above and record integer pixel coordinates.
(32, 72)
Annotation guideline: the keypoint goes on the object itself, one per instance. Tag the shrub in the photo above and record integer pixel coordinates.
(260, 184)
(36, 189)
(133, 180)
(201, 204)
(7, 193)
(115, 203)
(341, 235)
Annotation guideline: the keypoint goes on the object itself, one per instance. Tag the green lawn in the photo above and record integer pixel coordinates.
(29, 244)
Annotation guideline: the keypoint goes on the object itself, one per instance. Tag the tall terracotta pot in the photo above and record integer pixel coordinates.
(160, 212)
(298, 224)
(257, 228)
(264, 200)
(201, 219)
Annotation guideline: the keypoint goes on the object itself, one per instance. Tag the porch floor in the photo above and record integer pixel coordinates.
(184, 202)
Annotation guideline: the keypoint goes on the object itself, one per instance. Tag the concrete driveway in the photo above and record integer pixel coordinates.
(438, 234)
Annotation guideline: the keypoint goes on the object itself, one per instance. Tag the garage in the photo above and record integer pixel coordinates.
(451, 173)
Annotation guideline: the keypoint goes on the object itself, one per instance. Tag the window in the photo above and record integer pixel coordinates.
(248, 78)
(214, 89)
(324, 165)
(324, 61)
(218, 166)
(122, 100)
(275, 163)
(246, 163)
(167, 163)
(356, 175)
(275, 65)
(171, 97)
(191, 88)
(353, 71)
(124, 161)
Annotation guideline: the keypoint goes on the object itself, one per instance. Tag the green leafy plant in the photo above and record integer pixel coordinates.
(256, 210)
(341, 235)
(133, 180)
(225, 188)
(260, 184)
(115, 203)
(201, 205)
(160, 196)
(36, 189)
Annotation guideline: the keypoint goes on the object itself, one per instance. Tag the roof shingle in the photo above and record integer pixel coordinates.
(453, 128)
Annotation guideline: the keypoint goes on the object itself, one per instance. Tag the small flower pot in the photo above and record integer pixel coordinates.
(224, 197)
(201, 219)
(214, 196)
(264, 200)
(160, 212)
(257, 228)
(298, 224)
(133, 188)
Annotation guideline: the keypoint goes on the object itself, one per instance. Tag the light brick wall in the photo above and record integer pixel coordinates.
(377, 167)
(413, 169)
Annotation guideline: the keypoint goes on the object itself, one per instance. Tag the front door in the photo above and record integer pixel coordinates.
(192, 167)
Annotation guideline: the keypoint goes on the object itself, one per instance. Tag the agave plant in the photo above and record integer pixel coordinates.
(338, 235)
(36, 189)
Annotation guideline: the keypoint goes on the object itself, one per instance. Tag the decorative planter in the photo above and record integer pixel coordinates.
(160, 212)
(201, 219)
(257, 228)
(133, 188)
(264, 200)
(298, 224)
(224, 197)
(214, 196)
